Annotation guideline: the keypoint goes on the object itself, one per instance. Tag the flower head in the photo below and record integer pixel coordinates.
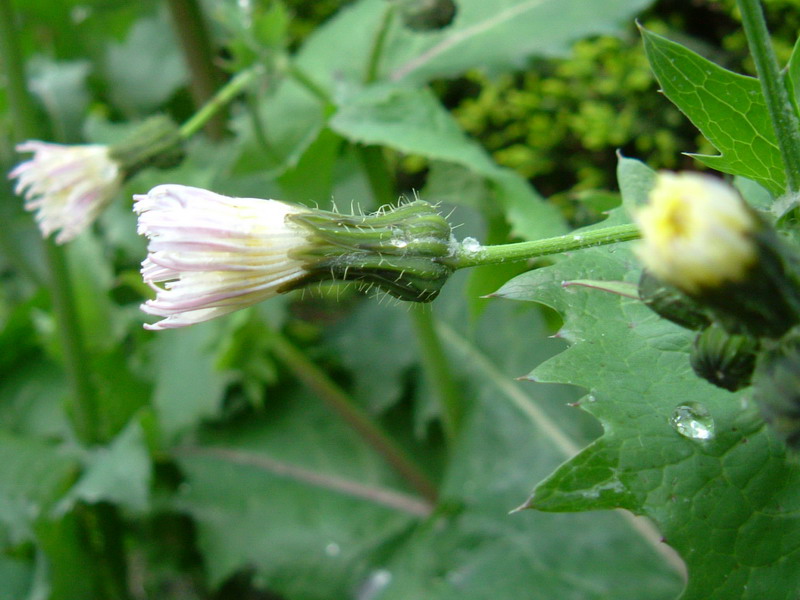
(697, 232)
(214, 254)
(67, 186)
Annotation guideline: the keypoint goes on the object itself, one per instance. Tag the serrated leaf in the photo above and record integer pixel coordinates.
(472, 548)
(728, 504)
(728, 109)
(294, 496)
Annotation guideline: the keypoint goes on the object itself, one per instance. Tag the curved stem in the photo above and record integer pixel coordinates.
(378, 45)
(352, 414)
(781, 112)
(468, 255)
(187, 18)
(223, 96)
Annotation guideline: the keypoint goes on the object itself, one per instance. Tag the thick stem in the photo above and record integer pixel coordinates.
(187, 18)
(219, 101)
(438, 368)
(474, 255)
(781, 112)
(25, 122)
(352, 414)
(83, 407)
(110, 569)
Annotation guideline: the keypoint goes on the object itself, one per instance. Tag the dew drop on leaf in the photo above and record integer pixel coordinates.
(692, 420)
(375, 583)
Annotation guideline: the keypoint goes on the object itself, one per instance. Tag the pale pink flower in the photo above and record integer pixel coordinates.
(67, 186)
(214, 254)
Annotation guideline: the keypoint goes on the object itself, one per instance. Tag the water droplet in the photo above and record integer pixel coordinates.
(374, 585)
(692, 420)
(333, 549)
(470, 245)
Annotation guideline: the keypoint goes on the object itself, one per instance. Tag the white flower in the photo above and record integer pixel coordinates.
(67, 186)
(697, 233)
(214, 254)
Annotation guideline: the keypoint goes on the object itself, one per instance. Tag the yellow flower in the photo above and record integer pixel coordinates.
(697, 233)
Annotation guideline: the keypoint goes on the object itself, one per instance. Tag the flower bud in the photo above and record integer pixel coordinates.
(776, 387)
(209, 255)
(699, 236)
(69, 186)
(724, 359)
(670, 303)
(398, 249)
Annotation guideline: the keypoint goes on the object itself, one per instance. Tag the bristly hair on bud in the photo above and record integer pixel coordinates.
(66, 186)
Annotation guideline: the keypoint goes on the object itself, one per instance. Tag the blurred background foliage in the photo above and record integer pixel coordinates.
(218, 473)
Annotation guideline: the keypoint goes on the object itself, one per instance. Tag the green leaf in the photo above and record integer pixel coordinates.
(16, 575)
(119, 473)
(413, 121)
(296, 496)
(728, 504)
(726, 107)
(61, 88)
(145, 69)
(301, 501)
(378, 357)
(32, 475)
(502, 35)
(471, 548)
(188, 387)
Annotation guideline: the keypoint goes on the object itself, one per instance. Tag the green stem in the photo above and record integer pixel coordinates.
(378, 45)
(469, 256)
(84, 407)
(110, 569)
(221, 99)
(83, 400)
(187, 17)
(784, 120)
(352, 414)
(434, 360)
(381, 181)
(25, 121)
(438, 368)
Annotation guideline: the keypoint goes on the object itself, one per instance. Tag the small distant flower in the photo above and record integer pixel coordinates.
(214, 254)
(67, 186)
(696, 232)
(209, 254)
